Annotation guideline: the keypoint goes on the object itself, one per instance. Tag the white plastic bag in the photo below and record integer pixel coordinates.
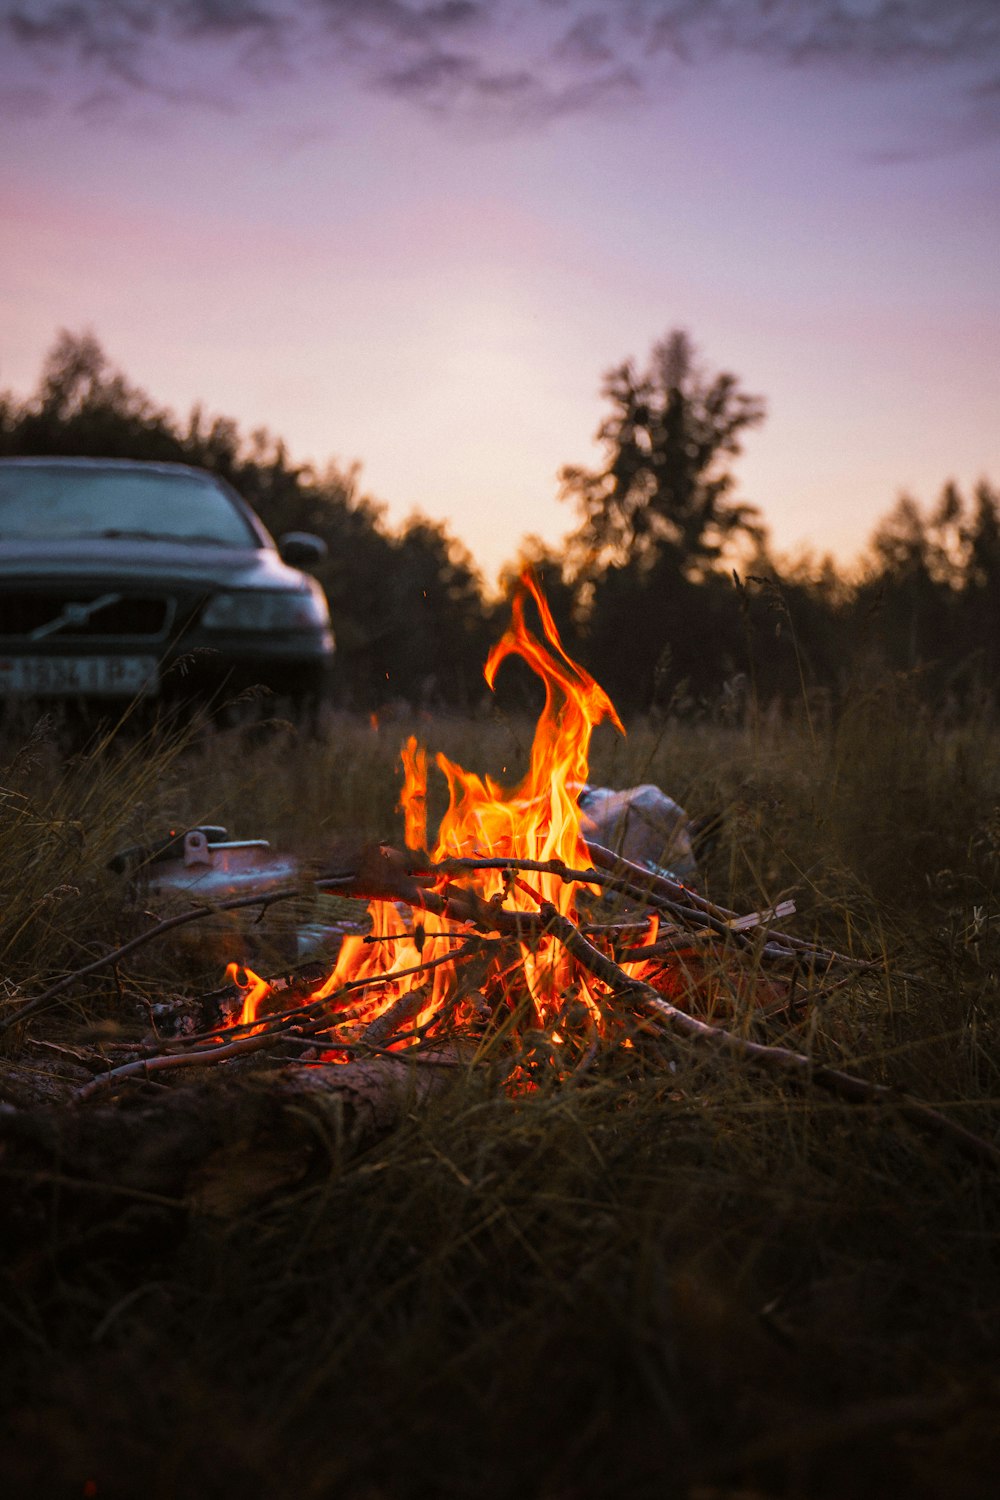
(644, 825)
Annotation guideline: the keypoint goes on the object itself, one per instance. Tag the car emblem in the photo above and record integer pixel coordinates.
(73, 614)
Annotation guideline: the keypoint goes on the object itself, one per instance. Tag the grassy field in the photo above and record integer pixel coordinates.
(671, 1277)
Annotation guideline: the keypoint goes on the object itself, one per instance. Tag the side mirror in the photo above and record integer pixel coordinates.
(300, 549)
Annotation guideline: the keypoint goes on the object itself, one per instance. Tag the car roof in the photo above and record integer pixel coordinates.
(69, 461)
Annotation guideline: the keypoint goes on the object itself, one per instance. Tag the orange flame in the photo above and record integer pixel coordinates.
(408, 958)
(413, 798)
(540, 819)
(537, 820)
(255, 991)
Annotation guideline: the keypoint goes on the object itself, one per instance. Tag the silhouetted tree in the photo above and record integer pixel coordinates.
(980, 602)
(440, 630)
(84, 406)
(664, 488)
(913, 580)
(657, 520)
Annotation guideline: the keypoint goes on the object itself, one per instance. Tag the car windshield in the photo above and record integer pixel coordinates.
(45, 503)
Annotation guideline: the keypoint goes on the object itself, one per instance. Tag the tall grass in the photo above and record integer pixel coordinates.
(671, 1278)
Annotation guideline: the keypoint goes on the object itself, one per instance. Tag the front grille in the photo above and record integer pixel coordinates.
(22, 613)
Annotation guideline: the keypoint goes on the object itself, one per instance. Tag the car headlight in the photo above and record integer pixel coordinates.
(257, 610)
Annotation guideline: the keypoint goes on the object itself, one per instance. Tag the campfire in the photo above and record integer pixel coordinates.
(513, 929)
(518, 940)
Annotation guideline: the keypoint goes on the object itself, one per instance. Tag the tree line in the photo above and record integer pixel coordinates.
(667, 587)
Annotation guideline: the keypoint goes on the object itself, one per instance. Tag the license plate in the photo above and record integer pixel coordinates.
(88, 676)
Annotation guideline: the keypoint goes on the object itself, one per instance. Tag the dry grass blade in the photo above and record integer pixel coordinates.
(108, 960)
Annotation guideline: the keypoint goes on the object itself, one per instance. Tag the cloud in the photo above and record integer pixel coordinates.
(449, 83)
(524, 61)
(871, 33)
(225, 18)
(586, 42)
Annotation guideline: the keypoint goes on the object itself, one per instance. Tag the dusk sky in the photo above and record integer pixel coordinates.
(416, 234)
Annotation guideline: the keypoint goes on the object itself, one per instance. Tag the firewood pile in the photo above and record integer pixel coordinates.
(647, 955)
(717, 960)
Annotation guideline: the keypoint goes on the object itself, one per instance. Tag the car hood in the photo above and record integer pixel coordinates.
(131, 561)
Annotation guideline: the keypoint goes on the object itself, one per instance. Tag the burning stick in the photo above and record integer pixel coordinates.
(657, 892)
(389, 1021)
(304, 1023)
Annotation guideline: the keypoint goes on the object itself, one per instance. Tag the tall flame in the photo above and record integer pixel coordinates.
(537, 820)
(540, 819)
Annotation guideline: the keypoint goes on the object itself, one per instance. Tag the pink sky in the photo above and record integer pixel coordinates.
(415, 235)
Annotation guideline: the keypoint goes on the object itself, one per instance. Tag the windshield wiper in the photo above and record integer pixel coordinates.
(114, 533)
